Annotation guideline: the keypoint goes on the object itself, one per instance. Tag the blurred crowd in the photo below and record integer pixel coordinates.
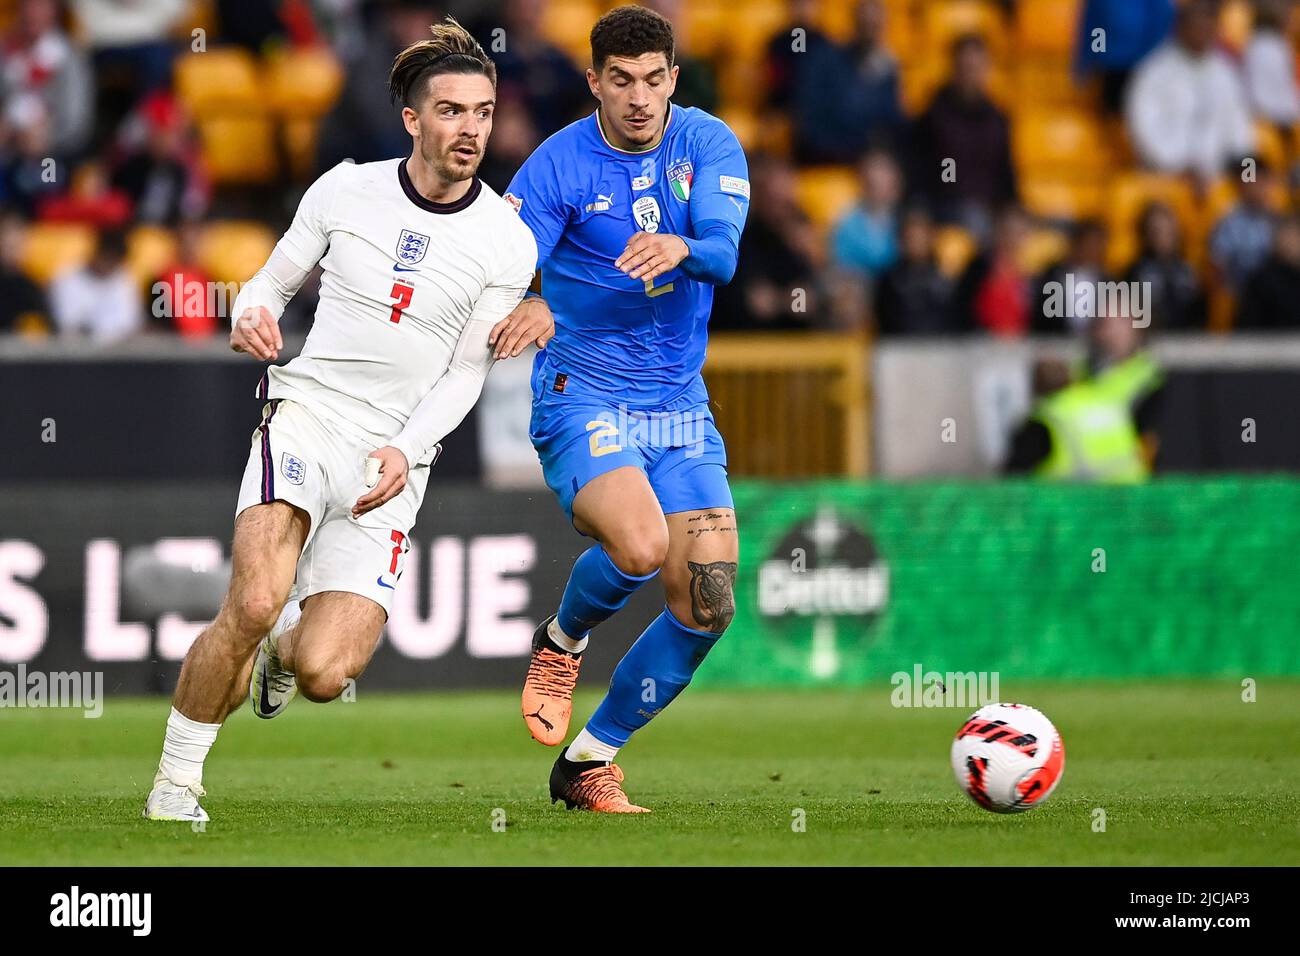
(919, 167)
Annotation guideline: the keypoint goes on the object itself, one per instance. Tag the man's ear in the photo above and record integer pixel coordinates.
(411, 120)
(672, 80)
(593, 82)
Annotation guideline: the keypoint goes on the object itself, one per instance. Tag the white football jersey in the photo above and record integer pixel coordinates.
(403, 280)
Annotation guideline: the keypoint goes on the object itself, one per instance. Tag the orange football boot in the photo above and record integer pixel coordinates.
(591, 785)
(547, 701)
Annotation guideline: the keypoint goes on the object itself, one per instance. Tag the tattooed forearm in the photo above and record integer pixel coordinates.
(712, 599)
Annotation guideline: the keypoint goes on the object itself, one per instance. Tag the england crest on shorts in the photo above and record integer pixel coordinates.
(411, 247)
(293, 469)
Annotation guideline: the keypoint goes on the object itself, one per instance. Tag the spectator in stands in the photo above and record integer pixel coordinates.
(865, 240)
(914, 297)
(364, 126)
(160, 171)
(1130, 29)
(45, 80)
(1271, 298)
(1031, 444)
(181, 299)
(28, 171)
(962, 144)
(99, 300)
(1243, 238)
(775, 286)
(844, 96)
(91, 200)
(1186, 109)
(1270, 65)
(1083, 265)
(697, 82)
(23, 308)
(536, 72)
(1176, 299)
(255, 26)
(132, 46)
(783, 62)
(995, 290)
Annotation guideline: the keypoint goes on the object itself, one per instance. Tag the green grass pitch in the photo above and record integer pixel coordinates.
(1186, 773)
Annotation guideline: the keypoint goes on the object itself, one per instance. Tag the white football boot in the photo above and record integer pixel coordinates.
(169, 801)
(271, 687)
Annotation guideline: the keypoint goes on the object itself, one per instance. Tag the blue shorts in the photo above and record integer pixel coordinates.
(680, 451)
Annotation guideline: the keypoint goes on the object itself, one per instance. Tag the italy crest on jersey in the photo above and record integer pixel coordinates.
(411, 247)
(679, 177)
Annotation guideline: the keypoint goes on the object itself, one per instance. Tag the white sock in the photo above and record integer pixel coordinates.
(185, 748)
(286, 622)
(586, 747)
(563, 640)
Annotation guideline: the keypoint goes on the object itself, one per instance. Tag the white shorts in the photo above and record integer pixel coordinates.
(302, 458)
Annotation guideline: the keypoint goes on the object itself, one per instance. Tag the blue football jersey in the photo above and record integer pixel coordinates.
(583, 199)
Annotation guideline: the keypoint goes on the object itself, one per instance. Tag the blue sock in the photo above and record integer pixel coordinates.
(596, 589)
(654, 671)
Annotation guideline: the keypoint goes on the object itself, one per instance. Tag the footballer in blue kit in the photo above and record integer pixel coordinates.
(637, 211)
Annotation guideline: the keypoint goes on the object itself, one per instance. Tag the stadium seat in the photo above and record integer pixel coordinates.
(745, 124)
(943, 21)
(52, 248)
(223, 79)
(1047, 28)
(954, 247)
(1064, 142)
(149, 250)
(1236, 20)
(1042, 248)
(567, 24)
(825, 192)
(1270, 145)
(233, 250)
(239, 149)
(1054, 198)
(1038, 86)
(303, 81)
(749, 34)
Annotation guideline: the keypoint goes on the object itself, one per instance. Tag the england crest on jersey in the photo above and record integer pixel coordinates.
(679, 178)
(646, 211)
(411, 247)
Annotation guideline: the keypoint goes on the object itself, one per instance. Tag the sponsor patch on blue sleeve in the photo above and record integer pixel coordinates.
(734, 185)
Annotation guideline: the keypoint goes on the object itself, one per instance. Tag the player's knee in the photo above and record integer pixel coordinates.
(322, 683)
(253, 613)
(640, 554)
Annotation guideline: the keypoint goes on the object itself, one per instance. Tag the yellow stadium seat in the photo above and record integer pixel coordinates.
(943, 21)
(239, 149)
(1064, 142)
(299, 137)
(954, 248)
(53, 247)
(1038, 86)
(149, 250)
(748, 34)
(1236, 20)
(568, 23)
(304, 81)
(745, 124)
(222, 79)
(1047, 27)
(825, 192)
(233, 250)
(1042, 248)
(1128, 195)
(1063, 199)
(1270, 145)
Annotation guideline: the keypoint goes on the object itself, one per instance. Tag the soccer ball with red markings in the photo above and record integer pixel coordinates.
(1008, 757)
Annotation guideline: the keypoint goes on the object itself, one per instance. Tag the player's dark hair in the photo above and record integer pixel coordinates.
(630, 31)
(451, 49)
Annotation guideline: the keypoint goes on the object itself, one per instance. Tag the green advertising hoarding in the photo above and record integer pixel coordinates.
(844, 582)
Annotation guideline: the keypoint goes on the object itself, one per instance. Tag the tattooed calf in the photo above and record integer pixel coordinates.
(712, 600)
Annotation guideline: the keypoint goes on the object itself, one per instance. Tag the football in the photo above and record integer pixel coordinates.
(1008, 757)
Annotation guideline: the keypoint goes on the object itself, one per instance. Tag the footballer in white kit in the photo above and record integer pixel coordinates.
(422, 265)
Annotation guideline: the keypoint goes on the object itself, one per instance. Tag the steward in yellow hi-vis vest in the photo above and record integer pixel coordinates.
(1093, 435)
